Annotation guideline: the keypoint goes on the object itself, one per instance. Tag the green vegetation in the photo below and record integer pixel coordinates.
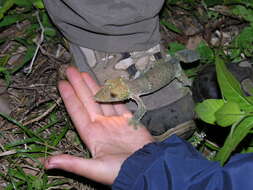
(234, 110)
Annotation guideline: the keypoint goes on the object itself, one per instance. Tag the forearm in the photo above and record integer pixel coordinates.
(174, 164)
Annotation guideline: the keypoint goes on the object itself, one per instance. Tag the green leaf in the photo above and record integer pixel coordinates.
(206, 109)
(175, 47)
(206, 53)
(230, 87)
(20, 142)
(50, 32)
(247, 3)
(17, 174)
(23, 3)
(228, 114)
(4, 60)
(232, 141)
(6, 74)
(244, 41)
(46, 20)
(244, 12)
(247, 150)
(212, 2)
(37, 183)
(235, 54)
(39, 4)
(11, 19)
(60, 136)
(41, 129)
(5, 7)
(29, 132)
(170, 26)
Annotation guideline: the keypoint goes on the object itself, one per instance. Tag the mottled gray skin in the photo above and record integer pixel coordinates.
(155, 78)
(160, 75)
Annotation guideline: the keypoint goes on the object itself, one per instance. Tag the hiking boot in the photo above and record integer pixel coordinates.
(128, 65)
(167, 108)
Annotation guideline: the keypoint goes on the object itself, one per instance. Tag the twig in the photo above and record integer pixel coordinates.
(38, 44)
(7, 153)
(44, 114)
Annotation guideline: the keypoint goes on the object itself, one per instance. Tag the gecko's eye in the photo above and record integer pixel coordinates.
(113, 95)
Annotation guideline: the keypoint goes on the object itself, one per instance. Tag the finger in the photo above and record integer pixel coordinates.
(107, 109)
(90, 168)
(75, 108)
(121, 109)
(83, 92)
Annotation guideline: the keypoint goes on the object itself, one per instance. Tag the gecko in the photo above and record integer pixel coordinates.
(161, 74)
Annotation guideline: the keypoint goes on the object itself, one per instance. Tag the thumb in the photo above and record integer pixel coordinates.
(94, 169)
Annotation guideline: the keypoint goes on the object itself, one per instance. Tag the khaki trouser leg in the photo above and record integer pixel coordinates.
(108, 25)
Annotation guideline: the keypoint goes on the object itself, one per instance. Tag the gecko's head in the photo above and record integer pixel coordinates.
(114, 90)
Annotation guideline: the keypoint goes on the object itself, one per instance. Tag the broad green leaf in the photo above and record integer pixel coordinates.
(232, 141)
(206, 109)
(230, 87)
(228, 114)
(249, 108)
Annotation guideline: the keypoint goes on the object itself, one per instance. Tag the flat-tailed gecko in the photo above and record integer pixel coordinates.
(160, 75)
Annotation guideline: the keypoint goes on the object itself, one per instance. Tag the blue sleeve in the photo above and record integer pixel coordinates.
(175, 165)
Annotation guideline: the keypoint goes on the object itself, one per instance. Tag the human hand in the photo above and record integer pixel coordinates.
(102, 127)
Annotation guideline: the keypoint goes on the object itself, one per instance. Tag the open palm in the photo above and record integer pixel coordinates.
(102, 127)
